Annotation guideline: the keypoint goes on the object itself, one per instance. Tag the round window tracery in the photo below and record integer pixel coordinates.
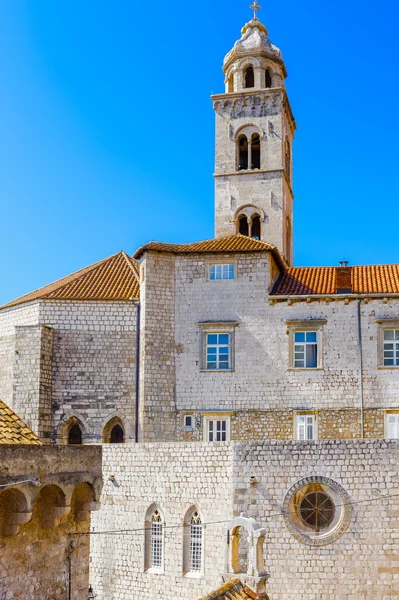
(317, 510)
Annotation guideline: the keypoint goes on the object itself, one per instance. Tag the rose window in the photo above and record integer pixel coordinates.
(317, 510)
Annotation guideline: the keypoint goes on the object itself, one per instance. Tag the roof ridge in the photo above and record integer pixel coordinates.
(131, 264)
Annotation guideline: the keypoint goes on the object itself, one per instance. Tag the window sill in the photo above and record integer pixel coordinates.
(216, 370)
(384, 368)
(193, 575)
(305, 369)
(155, 571)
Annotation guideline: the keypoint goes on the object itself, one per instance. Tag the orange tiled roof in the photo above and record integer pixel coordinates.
(113, 278)
(233, 590)
(371, 279)
(13, 430)
(228, 243)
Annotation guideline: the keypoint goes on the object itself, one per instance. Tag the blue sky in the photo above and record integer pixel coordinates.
(107, 129)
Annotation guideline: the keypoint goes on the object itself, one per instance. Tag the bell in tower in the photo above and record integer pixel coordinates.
(254, 132)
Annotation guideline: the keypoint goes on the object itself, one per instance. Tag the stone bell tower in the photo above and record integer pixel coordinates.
(254, 133)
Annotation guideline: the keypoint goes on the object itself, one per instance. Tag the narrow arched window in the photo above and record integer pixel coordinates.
(117, 435)
(154, 540)
(255, 227)
(255, 151)
(249, 77)
(288, 160)
(242, 153)
(243, 226)
(75, 435)
(268, 79)
(195, 543)
(230, 84)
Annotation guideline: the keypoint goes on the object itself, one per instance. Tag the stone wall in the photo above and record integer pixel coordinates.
(361, 563)
(38, 522)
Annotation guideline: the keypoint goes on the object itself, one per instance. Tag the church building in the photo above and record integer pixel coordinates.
(248, 408)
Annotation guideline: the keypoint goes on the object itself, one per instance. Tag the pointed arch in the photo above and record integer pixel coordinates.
(114, 432)
(71, 419)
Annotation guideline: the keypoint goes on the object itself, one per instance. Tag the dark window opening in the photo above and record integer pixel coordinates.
(117, 435)
(268, 79)
(317, 510)
(255, 151)
(243, 225)
(242, 153)
(249, 77)
(255, 229)
(288, 160)
(75, 435)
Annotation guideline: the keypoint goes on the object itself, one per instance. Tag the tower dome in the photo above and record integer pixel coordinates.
(254, 49)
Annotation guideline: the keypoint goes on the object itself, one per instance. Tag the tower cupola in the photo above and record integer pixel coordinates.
(254, 62)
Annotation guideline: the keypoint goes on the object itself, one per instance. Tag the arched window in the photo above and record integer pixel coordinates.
(249, 77)
(288, 160)
(113, 432)
(268, 79)
(75, 435)
(154, 540)
(230, 83)
(242, 153)
(243, 226)
(255, 227)
(193, 542)
(255, 151)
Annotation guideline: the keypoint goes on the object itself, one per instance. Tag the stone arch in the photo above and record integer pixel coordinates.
(14, 511)
(253, 216)
(50, 505)
(109, 432)
(83, 501)
(70, 420)
(255, 535)
(248, 129)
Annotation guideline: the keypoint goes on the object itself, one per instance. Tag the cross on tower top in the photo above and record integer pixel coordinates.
(255, 7)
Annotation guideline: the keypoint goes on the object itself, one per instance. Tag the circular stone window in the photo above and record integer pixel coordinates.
(317, 510)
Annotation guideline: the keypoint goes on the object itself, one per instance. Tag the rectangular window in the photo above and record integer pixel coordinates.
(217, 430)
(217, 271)
(218, 351)
(305, 427)
(391, 347)
(305, 349)
(392, 427)
(156, 544)
(188, 422)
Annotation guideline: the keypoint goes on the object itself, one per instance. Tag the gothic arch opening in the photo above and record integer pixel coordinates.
(249, 77)
(75, 436)
(243, 153)
(154, 538)
(114, 432)
(193, 541)
(255, 151)
(268, 79)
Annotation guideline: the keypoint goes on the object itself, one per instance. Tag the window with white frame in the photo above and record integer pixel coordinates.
(305, 349)
(218, 430)
(188, 421)
(218, 351)
(221, 271)
(392, 426)
(305, 427)
(391, 347)
(195, 543)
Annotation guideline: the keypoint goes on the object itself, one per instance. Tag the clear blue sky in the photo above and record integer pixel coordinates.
(107, 129)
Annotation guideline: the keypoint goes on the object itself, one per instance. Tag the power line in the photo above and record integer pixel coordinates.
(14, 483)
(266, 518)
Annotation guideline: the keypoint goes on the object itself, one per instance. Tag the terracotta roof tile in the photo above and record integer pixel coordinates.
(371, 279)
(233, 590)
(13, 430)
(113, 278)
(229, 243)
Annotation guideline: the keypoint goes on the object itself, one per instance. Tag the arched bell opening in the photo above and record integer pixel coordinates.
(249, 77)
(243, 225)
(255, 227)
(255, 151)
(243, 153)
(268, 79)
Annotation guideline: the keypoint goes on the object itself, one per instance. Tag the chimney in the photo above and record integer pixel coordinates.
(343, 283)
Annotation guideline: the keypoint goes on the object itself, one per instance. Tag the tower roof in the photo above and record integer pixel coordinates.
(254, 41)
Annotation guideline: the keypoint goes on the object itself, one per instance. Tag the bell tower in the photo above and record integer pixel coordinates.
(254, 133)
